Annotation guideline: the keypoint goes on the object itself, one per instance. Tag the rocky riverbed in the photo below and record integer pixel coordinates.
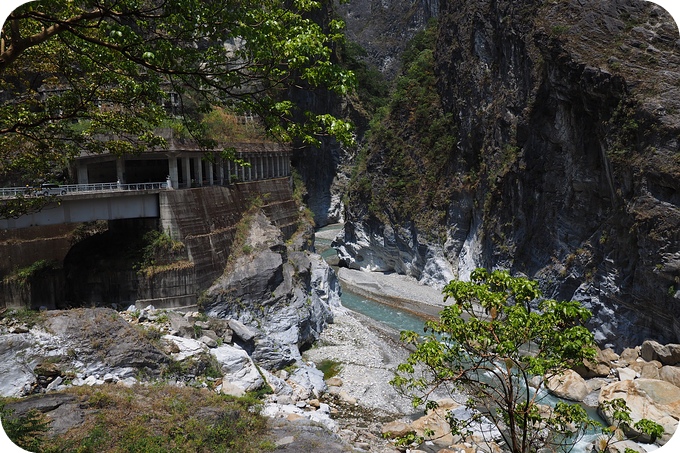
(50, 352)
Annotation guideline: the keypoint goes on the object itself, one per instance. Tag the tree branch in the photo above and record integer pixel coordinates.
(19, 45)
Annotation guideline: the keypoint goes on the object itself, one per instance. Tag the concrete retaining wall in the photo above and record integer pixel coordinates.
(205, 220)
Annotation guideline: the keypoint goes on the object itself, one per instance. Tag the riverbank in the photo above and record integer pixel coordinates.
(368, 353)
(393, 289)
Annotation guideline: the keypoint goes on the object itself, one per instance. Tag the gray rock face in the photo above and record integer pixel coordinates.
(384, 28)
(568, 134)
(279, 299)
(100, 333)
(393, 249)
(87, 342)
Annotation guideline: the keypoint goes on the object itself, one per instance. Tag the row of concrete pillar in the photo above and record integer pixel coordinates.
(196, 171)
(218, 171)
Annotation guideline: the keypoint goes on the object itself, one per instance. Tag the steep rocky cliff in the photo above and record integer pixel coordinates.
(378, 32)
(383, 28)
(564, 164)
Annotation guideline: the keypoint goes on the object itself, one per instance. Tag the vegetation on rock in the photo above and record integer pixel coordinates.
(402, 169)
(151, 418)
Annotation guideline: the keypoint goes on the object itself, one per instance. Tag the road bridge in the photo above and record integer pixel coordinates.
(183, 165)
(89, 202)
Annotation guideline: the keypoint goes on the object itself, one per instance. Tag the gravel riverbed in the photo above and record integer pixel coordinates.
(369, 352)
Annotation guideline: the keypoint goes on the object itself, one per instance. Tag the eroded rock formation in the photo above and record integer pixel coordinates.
(565, 165)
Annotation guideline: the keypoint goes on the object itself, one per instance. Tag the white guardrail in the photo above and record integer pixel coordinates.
(14, 192)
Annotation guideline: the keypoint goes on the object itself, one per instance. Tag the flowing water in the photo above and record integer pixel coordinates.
(390, 316)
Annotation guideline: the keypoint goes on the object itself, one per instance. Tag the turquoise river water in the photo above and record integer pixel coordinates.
(400, 320)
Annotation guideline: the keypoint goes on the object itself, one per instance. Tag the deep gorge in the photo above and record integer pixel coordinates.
(552, 152)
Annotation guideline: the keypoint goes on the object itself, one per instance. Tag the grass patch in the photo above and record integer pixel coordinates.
(158, 418)
(330, 368)
(24, 316)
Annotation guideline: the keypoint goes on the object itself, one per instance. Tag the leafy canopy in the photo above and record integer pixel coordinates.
(73, 72)
(490, 342)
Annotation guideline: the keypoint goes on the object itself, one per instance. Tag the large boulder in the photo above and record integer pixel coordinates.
(655, 400)
(600, 366)
(629, 355)
(84, 341)
(278, 300)
(103, 341)
(436, 421)
(186, 347)
(240, 374)
(568, 385)
(670, 374)
(667, 355)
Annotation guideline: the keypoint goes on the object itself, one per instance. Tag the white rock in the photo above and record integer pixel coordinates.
(626, 374)
(127, 382)
(238, 368)
(55, 383)
(187, 347)
(311, 379)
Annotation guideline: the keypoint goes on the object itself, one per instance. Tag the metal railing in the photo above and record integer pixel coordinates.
(13, 192)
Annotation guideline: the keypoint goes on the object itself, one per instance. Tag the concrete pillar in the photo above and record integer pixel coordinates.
(261, 162)
(198, 170)
(174, 174)
(82, 173)
(120, 170)
(250, 169)
(220, 171)
(186, 171)
(209, 169)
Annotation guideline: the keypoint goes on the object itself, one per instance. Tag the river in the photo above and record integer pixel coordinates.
(402, 320)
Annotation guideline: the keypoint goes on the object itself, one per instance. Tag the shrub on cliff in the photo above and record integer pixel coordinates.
(490, 343)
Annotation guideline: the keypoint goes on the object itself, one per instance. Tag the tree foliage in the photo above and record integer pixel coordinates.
(74, 72)
(490, 342)
(499, 342)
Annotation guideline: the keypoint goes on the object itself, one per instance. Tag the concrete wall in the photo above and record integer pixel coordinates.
(23, 247)
(44, 290)
(205, 220)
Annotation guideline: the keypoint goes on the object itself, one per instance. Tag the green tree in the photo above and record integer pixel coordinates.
(619, 413)
(490, 342)
(75, 72)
